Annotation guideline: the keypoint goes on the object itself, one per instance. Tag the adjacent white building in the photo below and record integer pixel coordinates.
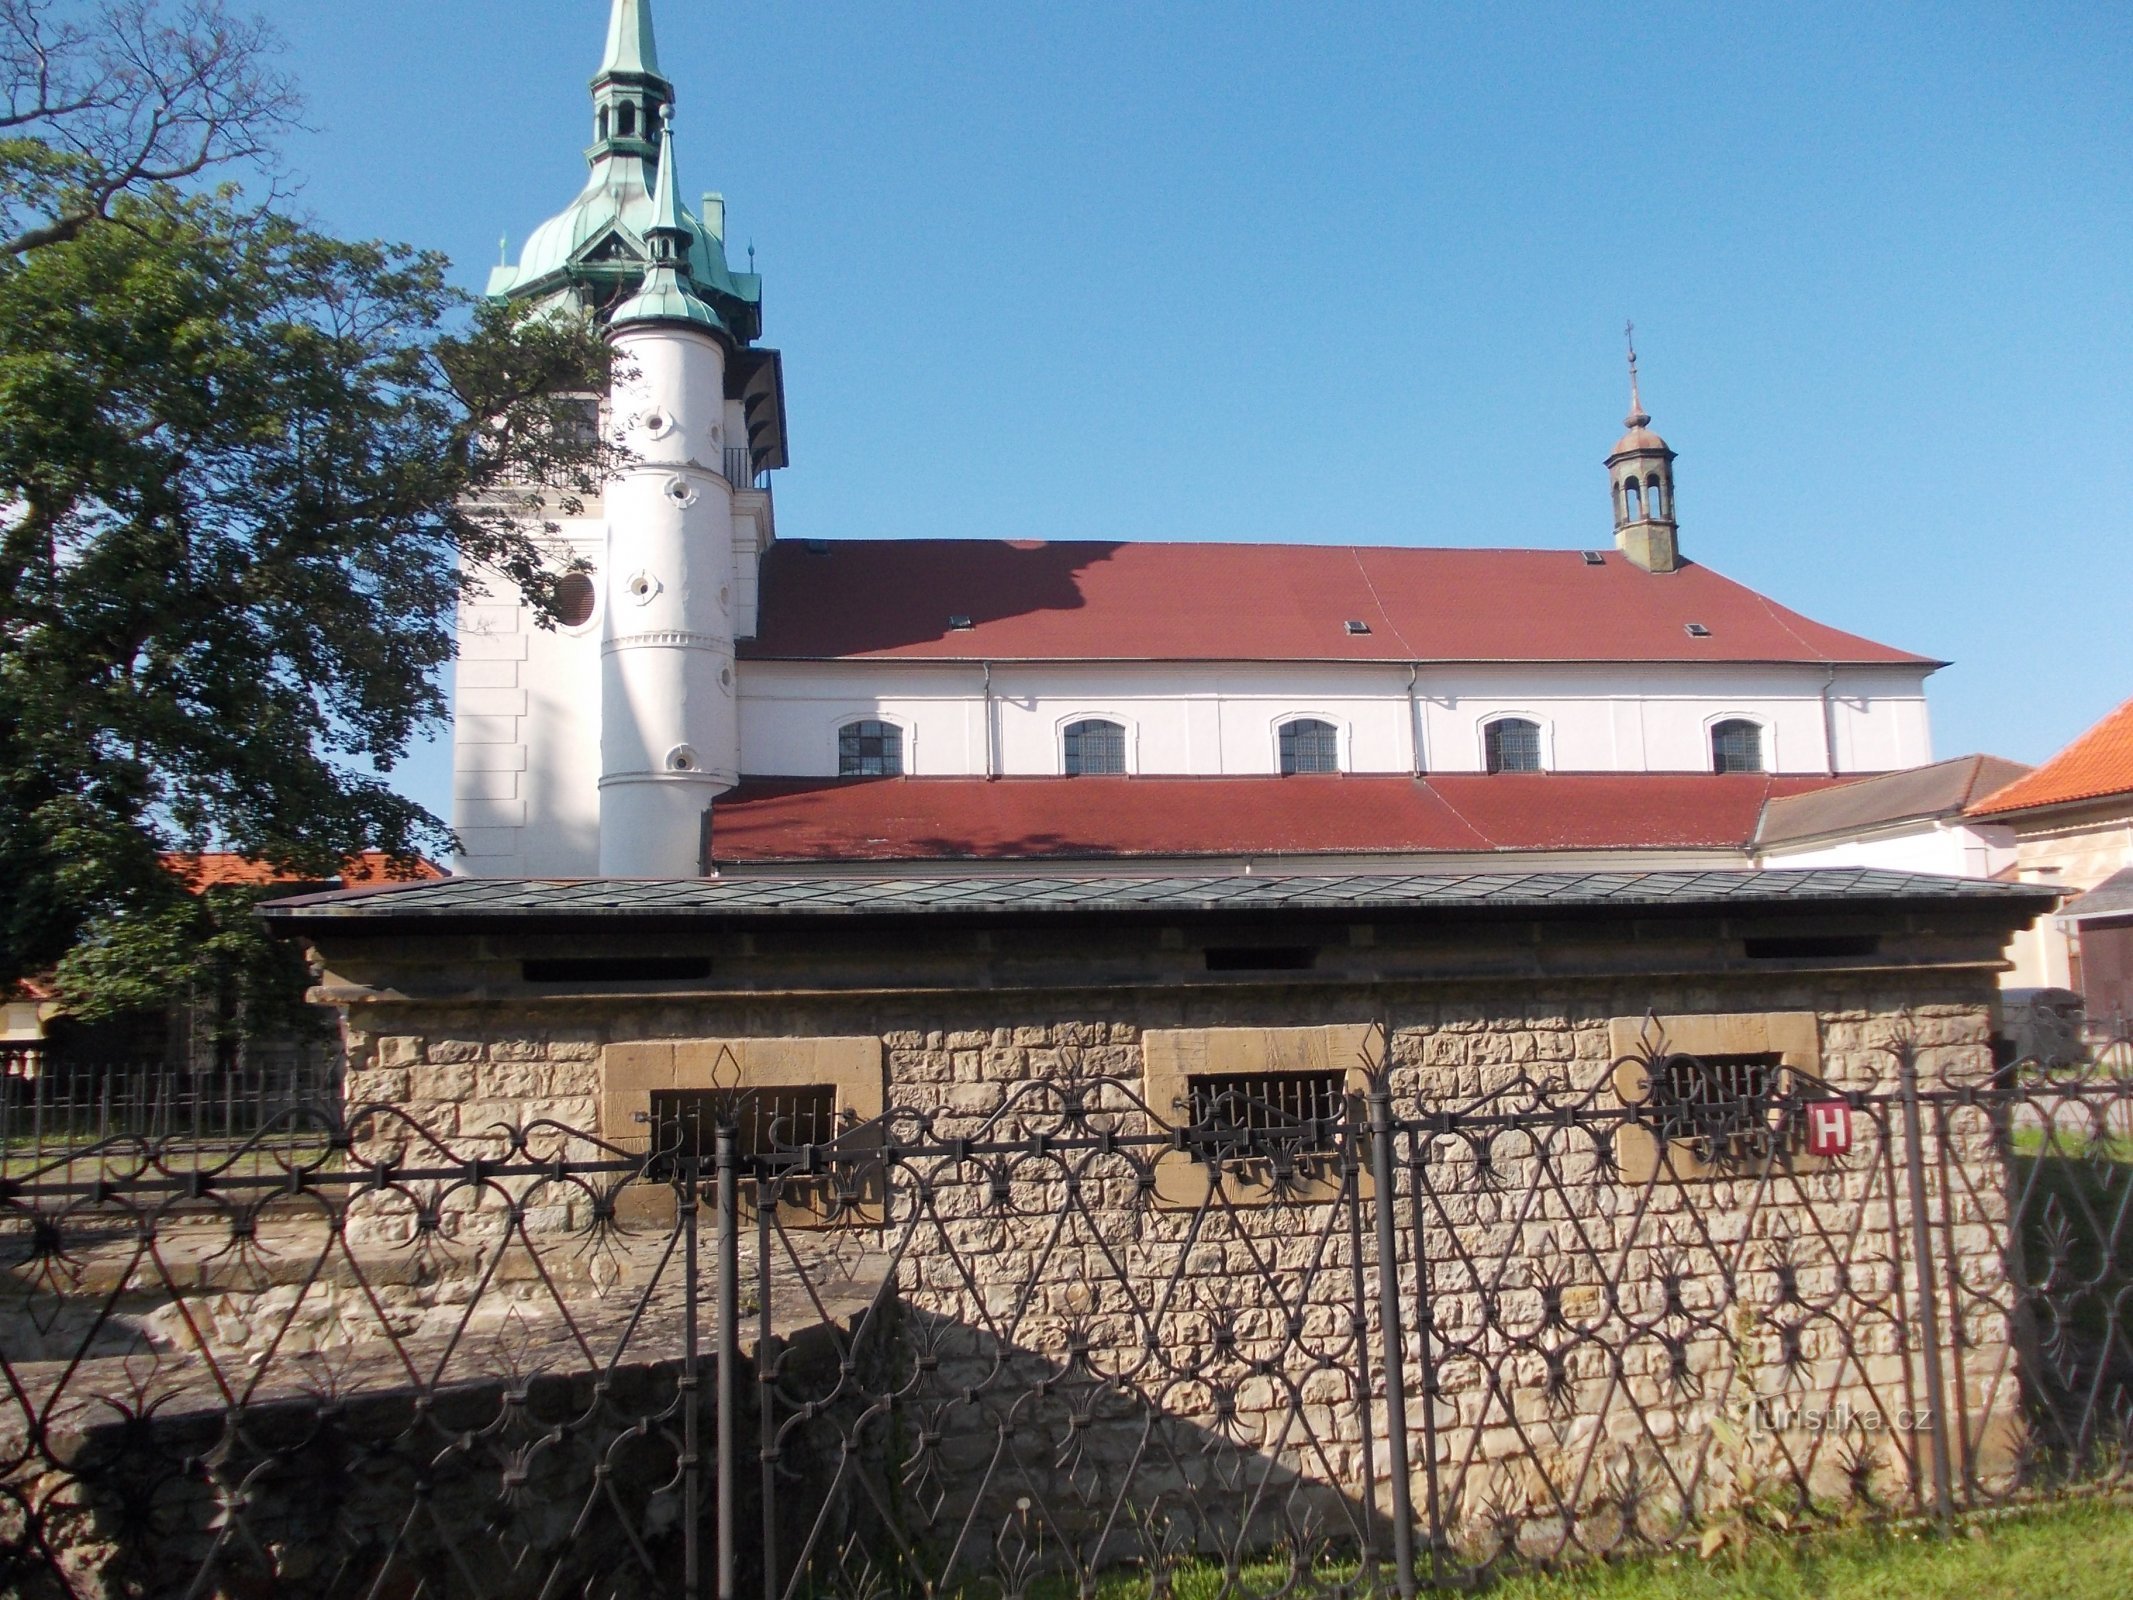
(716, 698)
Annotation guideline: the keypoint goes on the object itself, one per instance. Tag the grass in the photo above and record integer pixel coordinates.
(2071, 1550)
(2080, 1551)
(2074, 1144)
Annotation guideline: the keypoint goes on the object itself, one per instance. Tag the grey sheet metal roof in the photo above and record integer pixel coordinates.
(1915, 793)
(510, 900)
(2111, 898)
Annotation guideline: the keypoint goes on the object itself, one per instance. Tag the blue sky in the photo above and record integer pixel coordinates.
(1358, 272)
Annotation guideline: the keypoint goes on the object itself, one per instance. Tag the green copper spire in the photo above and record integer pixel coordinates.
(599, 250)
(668, 293)
(630, 46)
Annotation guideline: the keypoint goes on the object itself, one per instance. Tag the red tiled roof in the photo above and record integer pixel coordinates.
(828, 599)
(2098, 763)
(769, 820)
(216, 869)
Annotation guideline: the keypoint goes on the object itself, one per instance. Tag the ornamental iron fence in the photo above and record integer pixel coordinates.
(1307, 1336)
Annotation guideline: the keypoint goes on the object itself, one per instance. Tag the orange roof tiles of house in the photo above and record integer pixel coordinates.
(217, 869)
(827, 599)
(769, 820)
(2097, 764)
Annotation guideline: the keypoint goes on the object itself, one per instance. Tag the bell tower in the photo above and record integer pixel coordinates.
(1640, 470)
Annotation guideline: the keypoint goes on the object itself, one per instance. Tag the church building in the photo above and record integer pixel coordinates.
(718, 699)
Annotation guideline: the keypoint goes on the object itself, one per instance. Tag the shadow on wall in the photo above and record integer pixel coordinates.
(924, 1449)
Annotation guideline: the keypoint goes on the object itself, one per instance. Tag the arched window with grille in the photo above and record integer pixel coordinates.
(1309, 745)
(870, 750)
(1512, 744)
(1094, 748)
(1736, 746)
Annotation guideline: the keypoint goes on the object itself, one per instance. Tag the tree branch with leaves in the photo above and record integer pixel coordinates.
(130, 94)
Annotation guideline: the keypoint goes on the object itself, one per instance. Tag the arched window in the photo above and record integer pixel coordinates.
(1633, 500)
(629, 120)
(1512, 744)
(1309, 745)
(1094, 748)
(1736, 746)
(603, 123)
(870, 750)
(1656, 498)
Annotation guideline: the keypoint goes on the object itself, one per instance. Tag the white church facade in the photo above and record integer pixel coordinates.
(718, 699)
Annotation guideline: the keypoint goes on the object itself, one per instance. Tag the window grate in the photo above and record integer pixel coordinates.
(1512, 744)
(1094, 748)
(1721, 1104)
(1277, 1114)
(1736, 746)
(685, 1122)
(1309, 745)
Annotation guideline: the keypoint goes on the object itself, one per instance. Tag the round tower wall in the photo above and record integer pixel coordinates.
(669, 725)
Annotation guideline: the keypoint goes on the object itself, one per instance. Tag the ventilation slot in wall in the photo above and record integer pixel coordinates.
(1262, 958)
(1810, 946)
(614, 969)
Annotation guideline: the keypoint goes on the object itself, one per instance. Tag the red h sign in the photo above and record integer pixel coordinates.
(1829, 1128)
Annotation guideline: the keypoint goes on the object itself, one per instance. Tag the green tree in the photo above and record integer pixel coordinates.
(246, 473)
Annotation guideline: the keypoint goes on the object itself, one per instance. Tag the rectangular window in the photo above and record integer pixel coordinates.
(1094, 748)
(1309, 745)
(1266, 1115)
(870, 750)
(1513, 745)
(684, 1122)
(1721, 1097)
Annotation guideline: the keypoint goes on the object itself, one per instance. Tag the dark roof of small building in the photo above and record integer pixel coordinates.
(1016, 600)
(768, 821)
(2094, 766)
(2111, 898)
(1944, 789)
(489, 901)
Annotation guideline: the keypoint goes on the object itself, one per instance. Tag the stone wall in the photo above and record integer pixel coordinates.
(1713, 1338)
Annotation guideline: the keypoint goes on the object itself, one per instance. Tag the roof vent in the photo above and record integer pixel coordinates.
(1696, 630)
(818, 547)
(1354, 626)
(959, 624)
(1595, 558)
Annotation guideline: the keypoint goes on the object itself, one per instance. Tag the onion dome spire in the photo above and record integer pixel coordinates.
(668, 293)
(1640, 469)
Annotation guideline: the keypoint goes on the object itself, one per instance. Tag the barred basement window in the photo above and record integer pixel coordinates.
(1266, 1116)
(870, 750)
(684, 1123)
(1309, 745)
(1094, 748)
(1720, 1105)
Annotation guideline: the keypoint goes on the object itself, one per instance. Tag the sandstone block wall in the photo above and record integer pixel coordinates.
(1565, 1333)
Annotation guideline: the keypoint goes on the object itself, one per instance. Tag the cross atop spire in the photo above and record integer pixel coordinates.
(630, 46)
(1638, 417)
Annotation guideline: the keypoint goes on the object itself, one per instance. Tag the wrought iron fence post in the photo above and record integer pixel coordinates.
(729, 1338)
(1381, 1174)
(1922, 1259)
(692, 1483)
